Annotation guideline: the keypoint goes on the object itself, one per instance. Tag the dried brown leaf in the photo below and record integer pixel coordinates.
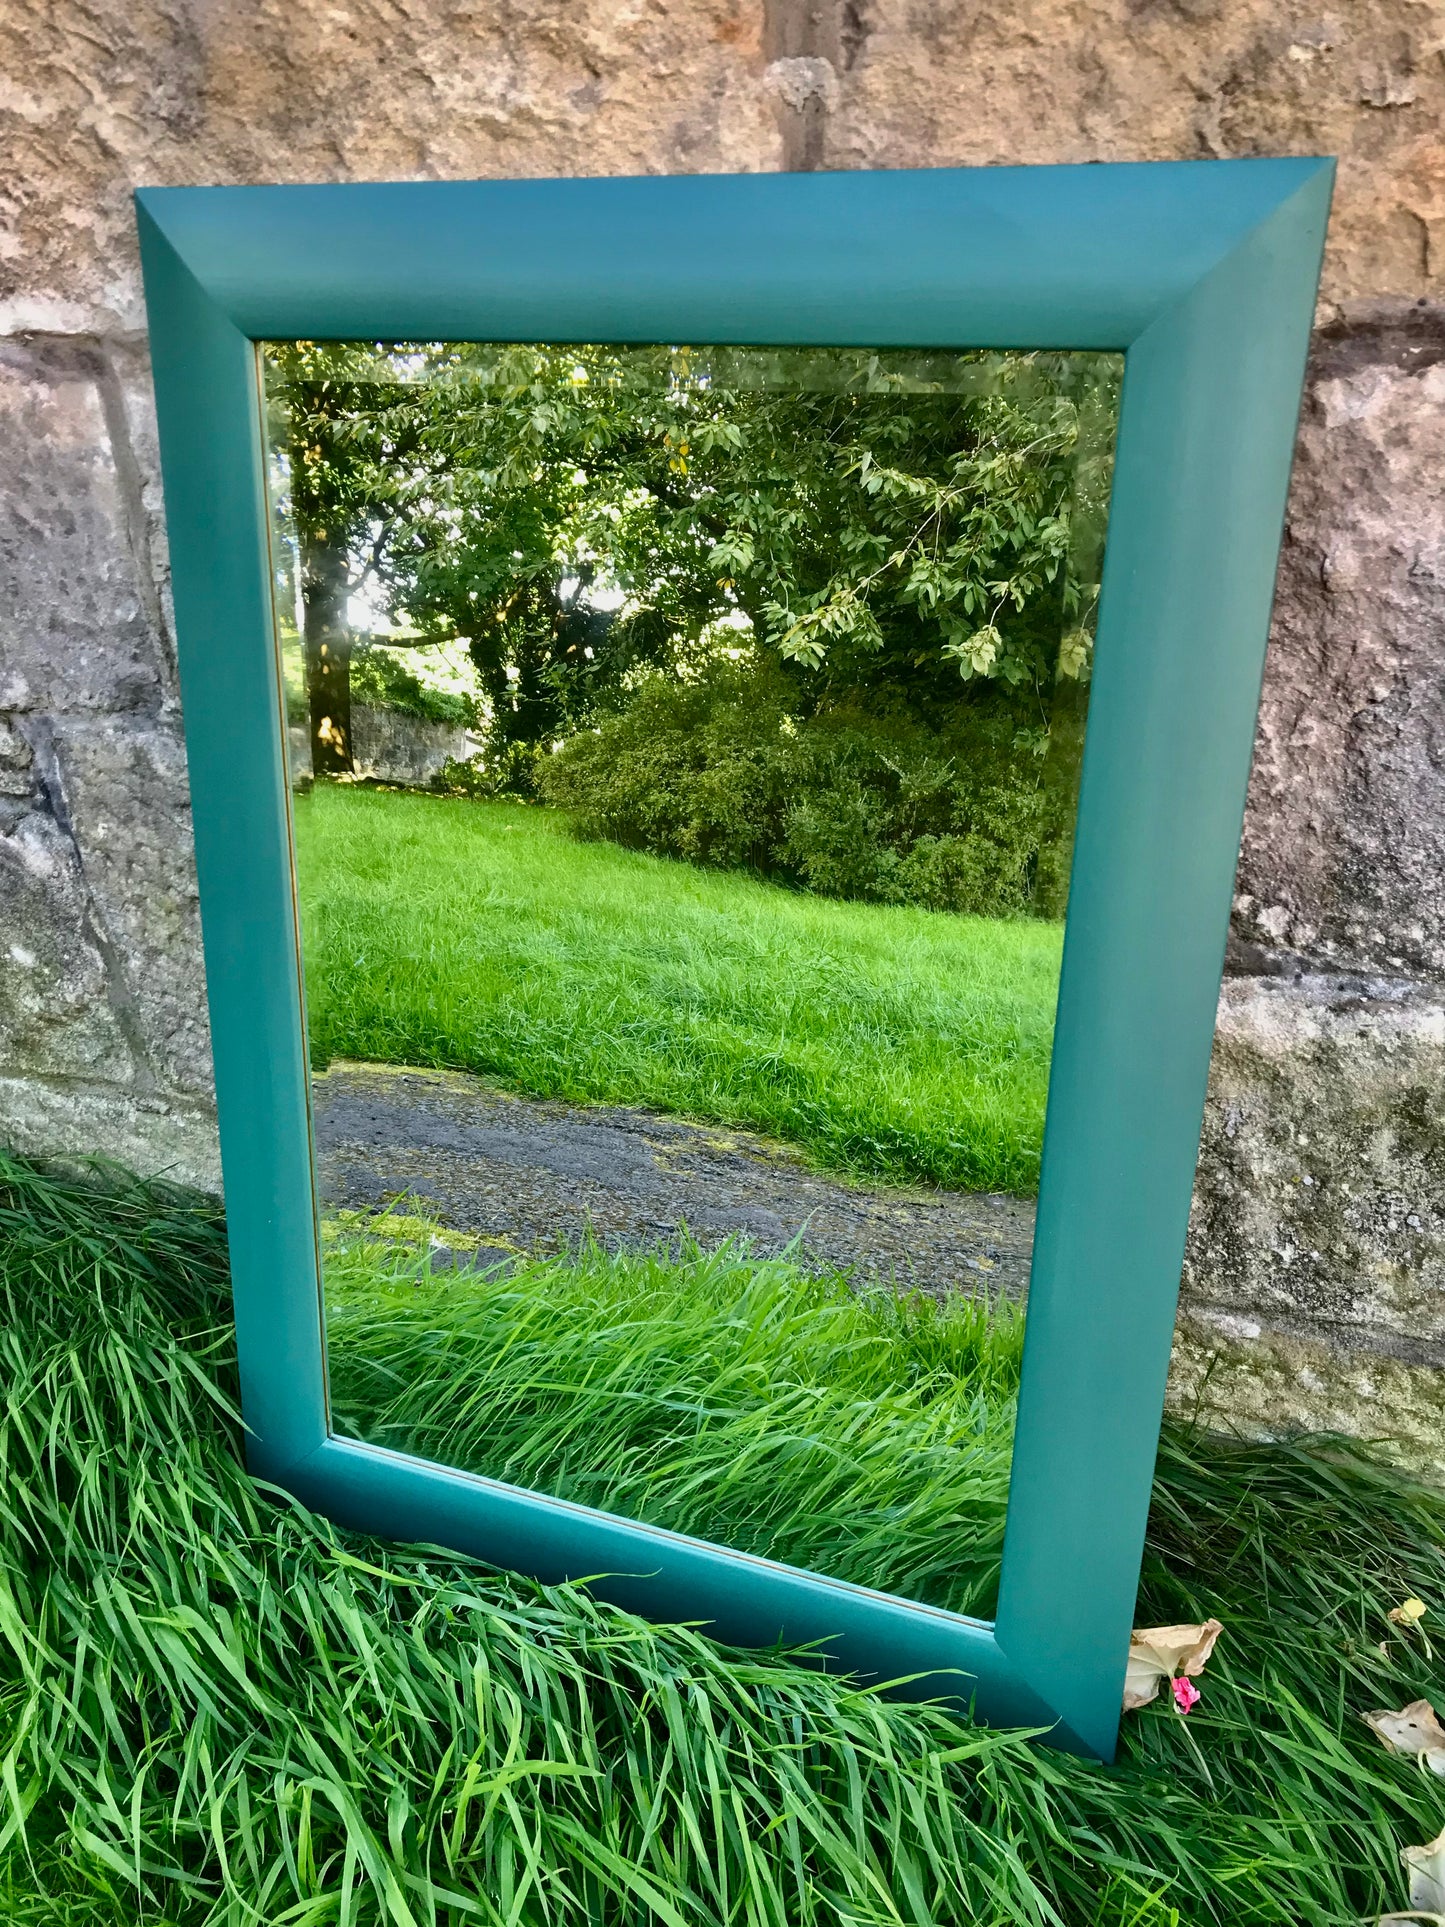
(1157, 1653)
(1426, 1867)
(1415, 1731)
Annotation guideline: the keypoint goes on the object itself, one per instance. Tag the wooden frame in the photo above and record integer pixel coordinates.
(1204, 275)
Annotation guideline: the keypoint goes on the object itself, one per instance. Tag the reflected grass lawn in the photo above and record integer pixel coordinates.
(862, 1435)
(904, 1043)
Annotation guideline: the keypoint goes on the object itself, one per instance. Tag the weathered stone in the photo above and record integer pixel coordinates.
(75, 575)
(122, 786)
(104, 98)
(16, 761)
(56, 1014)
(153, 1133)
(1314, 1285)
(1082, 80)
(801, 79)
(1344, 847)
(1248, 1376)
(1319, 1204)
(135, 443)
(78, 1034)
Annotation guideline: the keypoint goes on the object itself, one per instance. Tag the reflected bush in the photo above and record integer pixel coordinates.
(381, 678)
(508, 772)
(875, 802)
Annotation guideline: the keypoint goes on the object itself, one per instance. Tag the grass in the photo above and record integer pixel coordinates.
(865, 1436)
(480, 936)
(219, 1710)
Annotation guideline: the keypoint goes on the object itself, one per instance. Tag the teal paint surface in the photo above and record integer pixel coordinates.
(1204, 274)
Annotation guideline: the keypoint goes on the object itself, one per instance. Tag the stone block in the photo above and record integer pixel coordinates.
(153, 1133)
(1319, 1203)
(1246, 1376)
(57, 1019)
(1344, 846)
(1314, 1284)
(122, 787)
(77, 597)
(135, 441)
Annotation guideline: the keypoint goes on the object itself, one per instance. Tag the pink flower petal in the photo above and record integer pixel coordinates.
(1186, 1693)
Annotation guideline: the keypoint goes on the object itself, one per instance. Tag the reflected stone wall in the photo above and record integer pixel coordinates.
(389, 746)
(1329, 1062)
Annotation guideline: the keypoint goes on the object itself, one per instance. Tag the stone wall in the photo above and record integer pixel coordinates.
(1322, 1140)
(391, 746)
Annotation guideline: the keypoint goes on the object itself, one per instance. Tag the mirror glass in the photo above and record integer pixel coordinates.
(685, 743)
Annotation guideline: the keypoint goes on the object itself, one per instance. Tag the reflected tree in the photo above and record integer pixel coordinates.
(872, 519)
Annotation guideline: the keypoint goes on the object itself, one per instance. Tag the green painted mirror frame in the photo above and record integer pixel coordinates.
(1204, 275)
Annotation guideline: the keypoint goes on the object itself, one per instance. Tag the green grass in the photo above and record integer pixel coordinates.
(218, 1710)
(865, 1436)
(482, 937)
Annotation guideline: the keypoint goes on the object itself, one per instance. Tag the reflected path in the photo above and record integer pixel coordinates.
(521, 1174)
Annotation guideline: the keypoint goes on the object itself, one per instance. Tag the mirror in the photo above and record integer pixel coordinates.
(685, 745)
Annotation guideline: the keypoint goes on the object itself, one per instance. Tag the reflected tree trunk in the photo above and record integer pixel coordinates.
(1063, 765)
(325, 586)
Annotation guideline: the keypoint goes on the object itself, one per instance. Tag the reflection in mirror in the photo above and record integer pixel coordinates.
(685, 745)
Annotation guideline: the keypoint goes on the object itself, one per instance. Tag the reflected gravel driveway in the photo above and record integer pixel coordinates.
(523, 1174)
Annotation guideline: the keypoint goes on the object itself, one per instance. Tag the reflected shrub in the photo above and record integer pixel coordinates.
(508, 773)
(878, 804)
(380, 677)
